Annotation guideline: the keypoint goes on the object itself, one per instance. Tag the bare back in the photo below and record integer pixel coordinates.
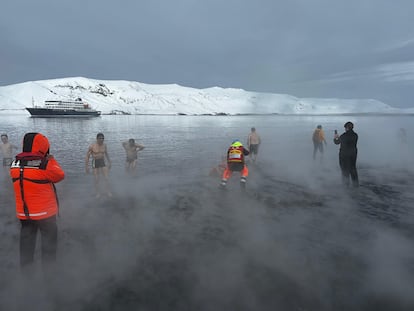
(254, 139)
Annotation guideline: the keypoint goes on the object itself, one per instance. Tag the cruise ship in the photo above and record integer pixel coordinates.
(63, 108)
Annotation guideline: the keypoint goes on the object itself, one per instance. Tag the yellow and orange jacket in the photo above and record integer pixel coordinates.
(318, 136)
(34, 173)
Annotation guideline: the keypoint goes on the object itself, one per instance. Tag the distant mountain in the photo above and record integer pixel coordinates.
(127, 97)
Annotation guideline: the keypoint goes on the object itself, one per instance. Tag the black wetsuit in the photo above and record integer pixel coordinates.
(348, 156)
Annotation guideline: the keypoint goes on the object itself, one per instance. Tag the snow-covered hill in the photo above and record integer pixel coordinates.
(127, 97)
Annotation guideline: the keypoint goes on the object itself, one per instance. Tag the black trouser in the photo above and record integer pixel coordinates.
(28, 234)
(348, 168)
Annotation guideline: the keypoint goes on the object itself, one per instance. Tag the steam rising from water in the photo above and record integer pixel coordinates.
(171, 240)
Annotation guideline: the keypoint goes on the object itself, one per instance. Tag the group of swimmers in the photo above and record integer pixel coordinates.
(98, 151)
(101, 162)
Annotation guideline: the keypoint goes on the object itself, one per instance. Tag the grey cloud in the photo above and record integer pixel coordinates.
(284, 46)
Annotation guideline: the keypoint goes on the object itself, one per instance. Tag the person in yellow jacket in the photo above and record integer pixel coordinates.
(34, 173)
(236, 163)
(318, 139)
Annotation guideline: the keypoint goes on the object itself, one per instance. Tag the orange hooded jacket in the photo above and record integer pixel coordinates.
(34, 173)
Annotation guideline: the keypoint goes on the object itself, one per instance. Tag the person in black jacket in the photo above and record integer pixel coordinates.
(348, 154)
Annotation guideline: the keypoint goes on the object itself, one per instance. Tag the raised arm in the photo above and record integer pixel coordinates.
(337, 139)
(54, 172)
(139, 147)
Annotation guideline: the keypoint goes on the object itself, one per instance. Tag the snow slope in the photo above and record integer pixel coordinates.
(128, 97)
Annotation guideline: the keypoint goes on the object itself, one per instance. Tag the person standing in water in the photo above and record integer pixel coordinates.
(34, 173)
(7, 151)
(318, 139)
(99, 152)
(348, 154)
(253, 143)
(402, 136)
(132, 148)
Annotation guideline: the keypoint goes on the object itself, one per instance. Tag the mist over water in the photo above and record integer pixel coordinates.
(169, 239)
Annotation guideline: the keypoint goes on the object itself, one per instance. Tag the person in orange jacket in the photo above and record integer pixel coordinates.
(236, 162)
(34, 173)
(318, 139)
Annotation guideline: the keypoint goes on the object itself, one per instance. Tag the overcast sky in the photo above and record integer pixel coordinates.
(306, 48)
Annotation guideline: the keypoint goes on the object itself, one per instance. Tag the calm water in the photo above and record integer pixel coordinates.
(173, 140)
(171, 240)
